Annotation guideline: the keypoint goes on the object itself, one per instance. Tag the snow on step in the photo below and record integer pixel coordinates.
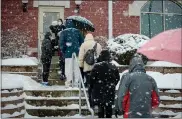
(179, 115)
(162, 64)
(171, 106)
(68, 107)
(31, 85)
(172, 91)
(12, 91)
(52, 98)
(19, 62)
(12, 98)
(12, 106)
(167, 112)
(170, 98)
(12, 81)
(15, 114)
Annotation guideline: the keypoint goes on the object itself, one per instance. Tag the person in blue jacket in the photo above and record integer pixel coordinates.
(70, 42)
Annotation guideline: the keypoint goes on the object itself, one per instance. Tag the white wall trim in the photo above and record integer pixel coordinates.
(134, 8)
(110, 20)
(37, 3)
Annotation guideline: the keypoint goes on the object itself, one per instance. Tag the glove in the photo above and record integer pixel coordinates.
(118, 112)
(56, 47)
(81, 70)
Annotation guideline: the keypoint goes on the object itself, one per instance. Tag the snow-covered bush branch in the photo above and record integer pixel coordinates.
(124, 46)
(14, 43)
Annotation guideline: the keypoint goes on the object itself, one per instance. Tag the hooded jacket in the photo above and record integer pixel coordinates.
(103, 79)
(138, 92)
(88, 44)
(70, 40)
(46, 48)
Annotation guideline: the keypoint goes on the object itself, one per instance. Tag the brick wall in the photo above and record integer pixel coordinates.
(122, 23)
(15, 20)
(19, 29)
(25, 24)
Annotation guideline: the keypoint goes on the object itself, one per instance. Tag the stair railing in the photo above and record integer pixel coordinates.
(81, 84)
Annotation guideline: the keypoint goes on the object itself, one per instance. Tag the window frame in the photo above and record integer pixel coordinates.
(163, 13)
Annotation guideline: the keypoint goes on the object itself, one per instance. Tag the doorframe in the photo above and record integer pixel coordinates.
(41, 10)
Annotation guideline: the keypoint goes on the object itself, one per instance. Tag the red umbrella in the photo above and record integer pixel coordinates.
(166, 46)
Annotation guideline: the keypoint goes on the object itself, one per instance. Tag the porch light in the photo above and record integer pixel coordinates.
(78, 3)
(24, 5)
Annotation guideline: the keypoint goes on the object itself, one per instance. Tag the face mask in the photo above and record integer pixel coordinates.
(59, 23)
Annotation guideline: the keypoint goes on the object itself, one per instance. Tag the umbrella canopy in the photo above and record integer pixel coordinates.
(166, 46)
(82, 23)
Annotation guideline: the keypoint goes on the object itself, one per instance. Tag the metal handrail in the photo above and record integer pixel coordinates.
(74, 57)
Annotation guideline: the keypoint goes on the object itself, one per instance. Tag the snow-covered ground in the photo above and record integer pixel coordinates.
(166, 81)
(154, 64)
(11, 81)
(163, 64)
(24, 61)
(13, 115)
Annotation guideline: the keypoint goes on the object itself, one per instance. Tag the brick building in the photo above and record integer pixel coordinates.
(109, 17)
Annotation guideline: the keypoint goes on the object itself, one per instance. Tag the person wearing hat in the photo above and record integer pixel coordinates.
(103, 80)
(46, 57)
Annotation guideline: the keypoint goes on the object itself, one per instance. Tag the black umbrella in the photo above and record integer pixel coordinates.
(82, 23)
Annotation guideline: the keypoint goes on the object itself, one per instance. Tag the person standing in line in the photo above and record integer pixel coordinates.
(70, 42)
(54, 41)
(86, 68)
(46, 57)
(138, 92)
(103, 80)
(60, 28)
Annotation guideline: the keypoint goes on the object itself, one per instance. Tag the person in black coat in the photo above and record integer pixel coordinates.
(60, 28)
(46, 57)
(54, 40)
(103, 80)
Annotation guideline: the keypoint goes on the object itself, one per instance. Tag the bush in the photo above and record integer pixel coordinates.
(14, 43)
(125, 46)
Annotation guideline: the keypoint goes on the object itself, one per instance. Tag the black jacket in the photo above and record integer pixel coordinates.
(46, 48)
(103, 80)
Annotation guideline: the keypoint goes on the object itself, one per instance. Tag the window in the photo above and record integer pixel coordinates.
(158, 16)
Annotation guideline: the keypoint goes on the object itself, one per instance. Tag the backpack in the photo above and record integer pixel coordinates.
(90, 55)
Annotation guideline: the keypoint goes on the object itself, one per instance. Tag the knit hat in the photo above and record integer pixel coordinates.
(54, 23)
(104, 55)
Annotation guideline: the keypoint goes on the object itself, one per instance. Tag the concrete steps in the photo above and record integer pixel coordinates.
(64, 101)
(171, 103)
(56, 103)
(47, 112)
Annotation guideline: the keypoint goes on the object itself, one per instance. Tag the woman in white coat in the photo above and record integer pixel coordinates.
(89, 43)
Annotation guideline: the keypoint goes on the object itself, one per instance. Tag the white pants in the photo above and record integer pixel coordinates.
(69, 71)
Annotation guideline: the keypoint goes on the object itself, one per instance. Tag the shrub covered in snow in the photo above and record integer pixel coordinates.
(14, 43)
(125, 46)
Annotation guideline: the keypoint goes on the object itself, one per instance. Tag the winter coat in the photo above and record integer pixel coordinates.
(46, 48)
(138, 92)
(60, 28)
(70, 40)
(88, 44)
(103, 79)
